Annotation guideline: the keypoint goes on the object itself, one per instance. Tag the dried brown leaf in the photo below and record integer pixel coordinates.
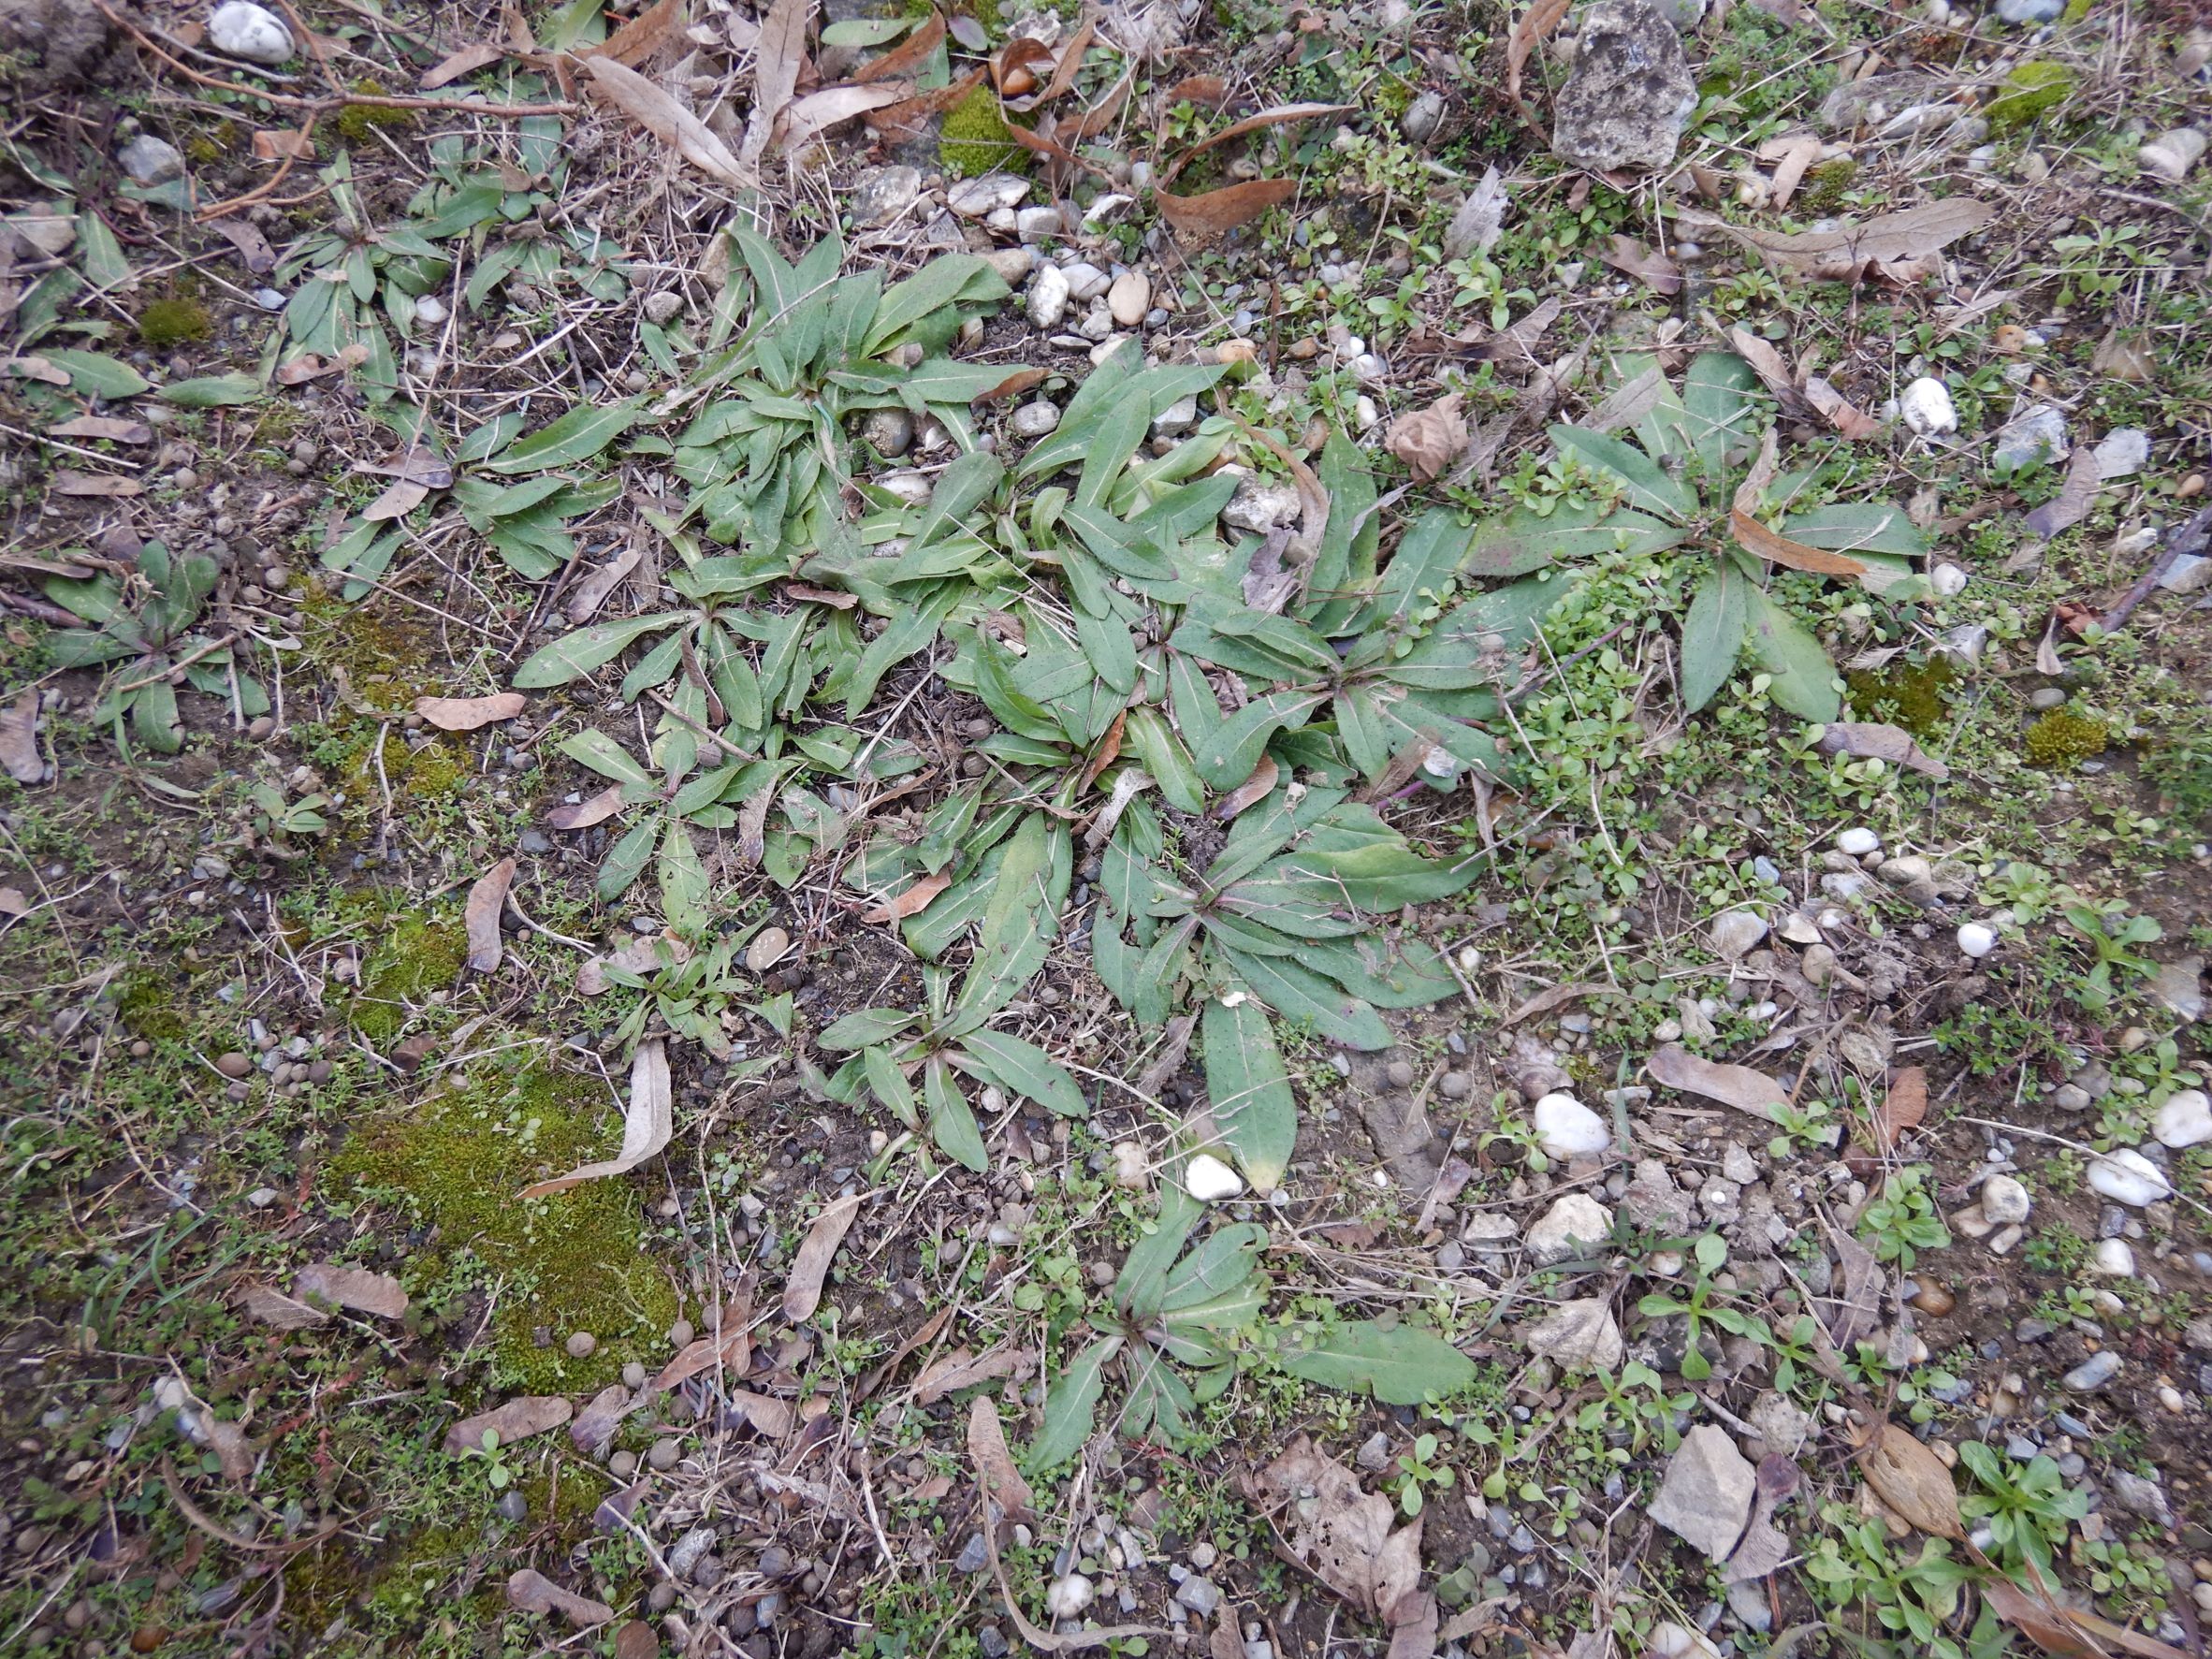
(1791, 156)
(1216, 213)
(592, 592)
(1413, 1626)
(531, 1592)
(481, 54)
(480, 915)
(1912, 1480)
(1654, 270)
(1429, 440)
(1890, 240)
(18, 740)
(1902, 1107)
(767, 1415)
(809, 1267)
(234, 1453)
(279, 144)
(775, 74)
(1776, 549)
(2076, 497)
(1275, 115)
(273, 1307)
(907, 120)
(400, 497)
(1677, 1068)
(254, 251)
(1250, 793)
(2121, 357)
(730, 1350)
(913, 902)
(642, 35)
(67, 481)
(1340, 1533)
(807, 117)
(1227, 1639)
(668, 121)
(947, 1373)
(511, 1421)
(1208, 92)
(1872, 741)
(38, 368)
(354, 1288)
(594, 1429)
(1002, 1482)
(111, 427)
(1531, 27)
(646, 1125)
(1557, 996)
(2068, 1633)
(905, 60)
(466, 714)
(1838, 411)
(582, 814)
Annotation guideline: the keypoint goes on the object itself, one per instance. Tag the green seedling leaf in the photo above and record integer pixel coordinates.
(1646, 484)
(1247, 1090)
(215, 391)
(863, 1027)
(578, 435)
(1399, 1364)
(1712, 632)
(952, 1124)
(1804, 680)
(1072, 1405)
(574, 655)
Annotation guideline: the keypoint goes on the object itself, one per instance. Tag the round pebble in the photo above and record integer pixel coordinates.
(581, 1344)
(234, 1066)
(680, 1335)
(1401, 1075)
(1976, 939)
(633, 1374)
(1858, 841)
(665, 1454)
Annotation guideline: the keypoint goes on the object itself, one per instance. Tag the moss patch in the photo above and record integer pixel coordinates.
(2061, 740)
(1826, 185)
(1908, 695)
(415, 956)
(173, 321)
(571, 1261)
(147, 1005)
(356, 122)
(974, 138)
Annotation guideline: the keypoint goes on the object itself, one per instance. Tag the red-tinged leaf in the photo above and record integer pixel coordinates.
(480, 915)
(530, 1592)
(1755, 538)
(467, 61)
(1216, 213)
(1071, 60)
(642, 35)
(913, 902)
(582, 814)
(1655, 270)
(1901, 1108)
(1250, 793)
(1014, 385)
(2066, 1633)
(904, 61)
(950, 1373)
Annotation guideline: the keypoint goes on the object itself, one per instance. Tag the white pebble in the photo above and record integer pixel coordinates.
(1948, 581)
(1858, 841)
(1567, 1128)
(1068, 1596)
(1207, 1179)
(249, 32)
(2114, 1257)
(1977, 939)
(1926, 407)
(2127, 1177)
(2184, 1120)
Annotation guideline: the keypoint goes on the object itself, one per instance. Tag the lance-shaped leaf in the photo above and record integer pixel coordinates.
(1247, 1090)
(1712, 632)
(951, 1123)
(1023, 1069)
(1399, 1364)
(1072, 1405)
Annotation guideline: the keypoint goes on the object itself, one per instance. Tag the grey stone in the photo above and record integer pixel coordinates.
(1577, 1335)
(1735, 932)
(2140, 1496)
(149, 160)
(882, 195)
(2180, 987)
(1048, 298)
(2004, 1200)
(1199, 1594)
(2187, 573)
(1630, 92)
(1375, 1453)
(1706, 1495)
(2036, 434)
(2093, 1373)
(1035, 419)
(2123, 453)
(1575, 1226)
(976, 198)
(2030, 12)
(1877, 100)
(513, 1507)
(1781, 1423)
(1422, 117)
(974, 1555)
(250, 31)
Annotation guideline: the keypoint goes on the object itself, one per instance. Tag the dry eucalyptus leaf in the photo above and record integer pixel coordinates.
(592, 592)
(775, 76)
(1740, 1087)
(1654, 270)
(808, 117)
(1777, 548)
(592, 809)
(1216, 213)
(646, 1125)
(1874, 740)
(1893, 240)
(947, 1373)
(531, 1592)
(2118, 357)
(400, 497)
(1838, 411)
(802, 1290)
(668, 121)
(1250, 793)
(2069, 1633)
(1340, 1533)
(1429, 440)
(273, 1307)
(2076, 497)
(67, 482)
(1912, 1480)
(480, 915)
(111, 427)
(913, 902)
(466, 714)
(1902, 1107)
(467, 61)
(511, 1421)
(354, 1288)
(254, 251)
(19, 739)
(994, 1463)
(767, 1415)
(594, 1429)
(642, 35)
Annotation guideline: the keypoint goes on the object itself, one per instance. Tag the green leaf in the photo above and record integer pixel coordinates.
(1647, 483)
(100, 253)
(1857, 527)
(1521, 541)
(1021, 919)
(1717, 407)
(1016, 710)
(605, 756)
(857, 31)
(889, 1084)
(1401, 1365)
(153, 717)
(1712, 632)
(1804, 680)
(578, 435)
(214, 391)
(1248, 1091)
(683, 881)
(1072, 1405)
(98, 375)
(1025, 1069)
(1226, 756)
(627, 859)
(574, 655)
(1297, 994)
(862, 1027)
(1141, 1285)
(951, 1125)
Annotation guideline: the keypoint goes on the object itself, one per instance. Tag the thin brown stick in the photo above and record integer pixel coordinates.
(2186, 538)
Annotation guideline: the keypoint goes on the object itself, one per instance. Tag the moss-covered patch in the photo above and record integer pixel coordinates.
(572, 1261)
(974, 139)
(147, 1005)
(1909, 694)
(2061, 740)
(415, 957)
(177, 320)
(356, 122)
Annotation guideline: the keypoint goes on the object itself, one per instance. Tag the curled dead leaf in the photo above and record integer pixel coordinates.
(480, 915)
(18, 740)
(1902, 1107)
(1429, 440)
(1912, 1480)
(1874, 740)
(1250, 793)
(1002, 1482)
(949, 1373)
(1677, 1068)
(913, 902)
(2076, 496)
(646, 1125)
(355, 1289)
(802, 1290)
(1777, 548)
(660, 114)
(531, 1592)
(1654, 270)
(511, 1421)
(592, 809)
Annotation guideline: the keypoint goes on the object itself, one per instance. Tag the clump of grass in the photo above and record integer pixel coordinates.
(2061, 740)
(176, 320)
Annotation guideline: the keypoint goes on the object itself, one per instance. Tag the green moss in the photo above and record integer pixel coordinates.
(173, 321)
(2061, 740)
(974, 141)
(575, 1260)
(1827, 184)
(356, 122)
(1909, 695)
(415, 958)
(2028, 92)
(147, 1007)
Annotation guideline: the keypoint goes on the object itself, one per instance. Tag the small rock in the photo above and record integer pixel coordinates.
(1976, 939)
(1201, 1596)
(1068, 1596)
(513, 1507)
(1569, 1229)
(1735, 932)
(2171, 155)
(1207, 1179)
(1781, 1422)
(2184, 1120)
(1577, 1335)
(1085, 281)
(2123, 453)
(890, 432)
(1423, 117)
(1948, 581)
(149, 160)
(974, 1555)
(1131, 1168)
(2028, 12)
(680, 1335)
(2127, 1177)
(1130, 297)
(1401, 1075)
(1926, 409)
(1047, 301)
(1036, 419)
(1567, 1128)
(2004, 1200)
(2140, 1494)
(976, 199)
(2114, 1257)
(2093, 1373)
(1375, 1453)
(581, 1344)
(1704, 1498)
(664, 1454)
(882, 195)
(234, 1066)
(768, 948)
(241, 30)
(1260, 507)
(1858, 841)
(2036, 435)
(1036, 224)
(2188, 572)
(2180, 987)
(1629, 93)
(1178, 416)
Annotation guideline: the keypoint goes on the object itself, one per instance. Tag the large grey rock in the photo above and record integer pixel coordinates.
(1630, 92)
(2035, 434)
(1706, 1496)
(1577, 1225)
